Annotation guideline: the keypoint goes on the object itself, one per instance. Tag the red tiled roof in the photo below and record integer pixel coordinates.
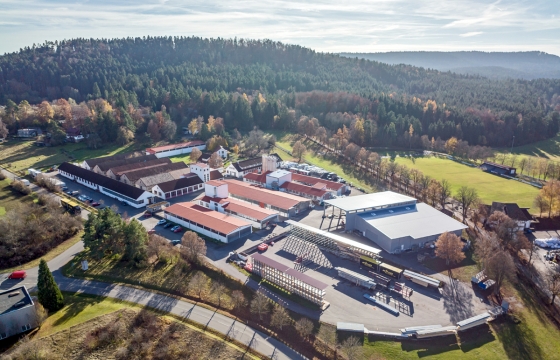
(304, 189)
(278, 199)
(216, 175)
(310, 180)
(211, 219)
(260, 178)
(174, 146)
(200, 165)
(241, 207)
(215, 182)
(319, 186)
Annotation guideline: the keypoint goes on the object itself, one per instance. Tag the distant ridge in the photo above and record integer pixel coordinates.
(521, 65)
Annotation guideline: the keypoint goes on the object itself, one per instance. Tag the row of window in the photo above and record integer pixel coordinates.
(196, 224)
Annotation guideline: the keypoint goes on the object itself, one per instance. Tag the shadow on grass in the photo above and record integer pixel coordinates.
(75, 304)
(475, 338)
(519, 341)
(430, 347)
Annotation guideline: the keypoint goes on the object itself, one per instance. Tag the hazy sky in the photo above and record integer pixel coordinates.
(324, 25)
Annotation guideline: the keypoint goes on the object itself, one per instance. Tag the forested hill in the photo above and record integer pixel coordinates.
(517, 65)
(261, 83)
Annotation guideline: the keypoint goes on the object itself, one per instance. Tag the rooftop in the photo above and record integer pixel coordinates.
(180, 183)
(368, 201)
(277, 199)
(210, 219)
(416, 221)
(242, 207)
(292, 272)
(174, 146)
(96, 161)
(156, 179)
(259, 178)
(135, 175)
(512, 210)
(200, 165)
(310, 180)
(177, 174)
(14, 299)
(114, 185)
(279, 173)
(118, 170)
(216, 175)
(216, 183)
(106, 165)
(303, 189)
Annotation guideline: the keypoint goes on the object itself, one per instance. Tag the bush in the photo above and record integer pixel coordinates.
(2, 176)
(21, 187)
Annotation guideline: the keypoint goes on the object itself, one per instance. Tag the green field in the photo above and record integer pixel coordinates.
(10, 198)
(490, 187)
(548, 149)
(19, 155)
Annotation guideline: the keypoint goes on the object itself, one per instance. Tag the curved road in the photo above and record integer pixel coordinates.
(242, 333)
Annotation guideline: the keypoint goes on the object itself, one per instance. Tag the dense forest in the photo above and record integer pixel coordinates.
(168, 81)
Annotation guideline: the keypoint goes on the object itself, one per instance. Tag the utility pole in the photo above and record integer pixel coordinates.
(512, 141)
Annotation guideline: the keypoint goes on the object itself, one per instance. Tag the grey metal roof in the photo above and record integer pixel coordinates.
(353, 327)
(367, 201)
(14, 299)
(279, 173)
(420, 221)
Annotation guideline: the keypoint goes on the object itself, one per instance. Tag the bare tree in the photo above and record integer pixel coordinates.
(467, 197)
(280, 317)
(198, 284)
(238, 299)
(193, 247)
(304, 327)
(195, 155)
(157, 246)
(352, 347)
(215, 161)
(298, 150)
(260, 305)
(500, 267)
(504, 226)
(41, 314)
(327, 333)
(553, 283)
(541, 203)
(444, 192)
(450, 248)
(219, 291)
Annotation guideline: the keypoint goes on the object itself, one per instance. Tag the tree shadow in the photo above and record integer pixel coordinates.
(457, 301)
(432, 346)
(519, 341)
(75, 305)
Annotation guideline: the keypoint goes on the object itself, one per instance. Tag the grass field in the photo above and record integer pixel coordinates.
(22, 155)
(548, 149)
(490, 187)
(10, 198)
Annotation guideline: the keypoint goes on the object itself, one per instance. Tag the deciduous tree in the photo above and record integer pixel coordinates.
(304, 327)
(238, 299)
(193, 247)
(449, 248)
(280, 317)
(467, 197)
(298, 150)
(195, 155)
(215, 161)
(553, 283)
(260, 305)
(198, 283)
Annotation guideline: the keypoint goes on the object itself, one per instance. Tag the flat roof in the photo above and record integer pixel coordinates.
(278, 199)
(354, 327)
(417, 222)
(211, 219)
(292, 272)
(360, 202)
(335, 237)
(279, 173)
(215, 183)
(14, 299)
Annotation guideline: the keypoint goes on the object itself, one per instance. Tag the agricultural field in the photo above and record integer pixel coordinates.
(490, 187)
(19, 155)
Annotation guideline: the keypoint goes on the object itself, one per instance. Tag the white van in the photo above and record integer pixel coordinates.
(26, 182)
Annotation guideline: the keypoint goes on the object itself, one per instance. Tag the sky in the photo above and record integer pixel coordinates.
(323, 25)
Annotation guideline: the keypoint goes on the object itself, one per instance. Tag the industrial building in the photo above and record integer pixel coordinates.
(217, 198)
(216, 225)
(286, 205)
(176, 149)
(290, 279)
(173, 188)
(89, 164)
(103, 166)
(394, 221)
(116, 172)
(133, 196)
(17, 312)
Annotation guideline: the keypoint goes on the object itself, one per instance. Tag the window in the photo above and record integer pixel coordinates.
(25, 327)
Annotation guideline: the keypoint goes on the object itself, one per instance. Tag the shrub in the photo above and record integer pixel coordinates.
(2, 176)
(21, 187)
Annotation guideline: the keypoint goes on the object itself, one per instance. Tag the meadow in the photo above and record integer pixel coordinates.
(489, 187)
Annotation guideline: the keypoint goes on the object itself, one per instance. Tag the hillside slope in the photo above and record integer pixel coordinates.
(498, 65)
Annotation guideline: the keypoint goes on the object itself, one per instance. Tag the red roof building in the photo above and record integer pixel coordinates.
(317, 192)
(310, 180)
(219, 226)
(258, 216)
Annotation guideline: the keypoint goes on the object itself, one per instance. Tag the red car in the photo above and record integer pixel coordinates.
(262, 247)
(95, 203)
(147, 214)
(152, 231)
(177, 229)
(19, 274)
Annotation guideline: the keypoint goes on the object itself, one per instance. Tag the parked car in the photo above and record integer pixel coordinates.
(151, 231)
(19, 274)
(75, 193)
(175, 242)
(69, 192)
(147, 214)
(82, 198)
(95, 203)
(88, 198)
(167, 225)
(162, 222)
(124, 203)
(64, 188)
(262, 247)
(176, 229)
